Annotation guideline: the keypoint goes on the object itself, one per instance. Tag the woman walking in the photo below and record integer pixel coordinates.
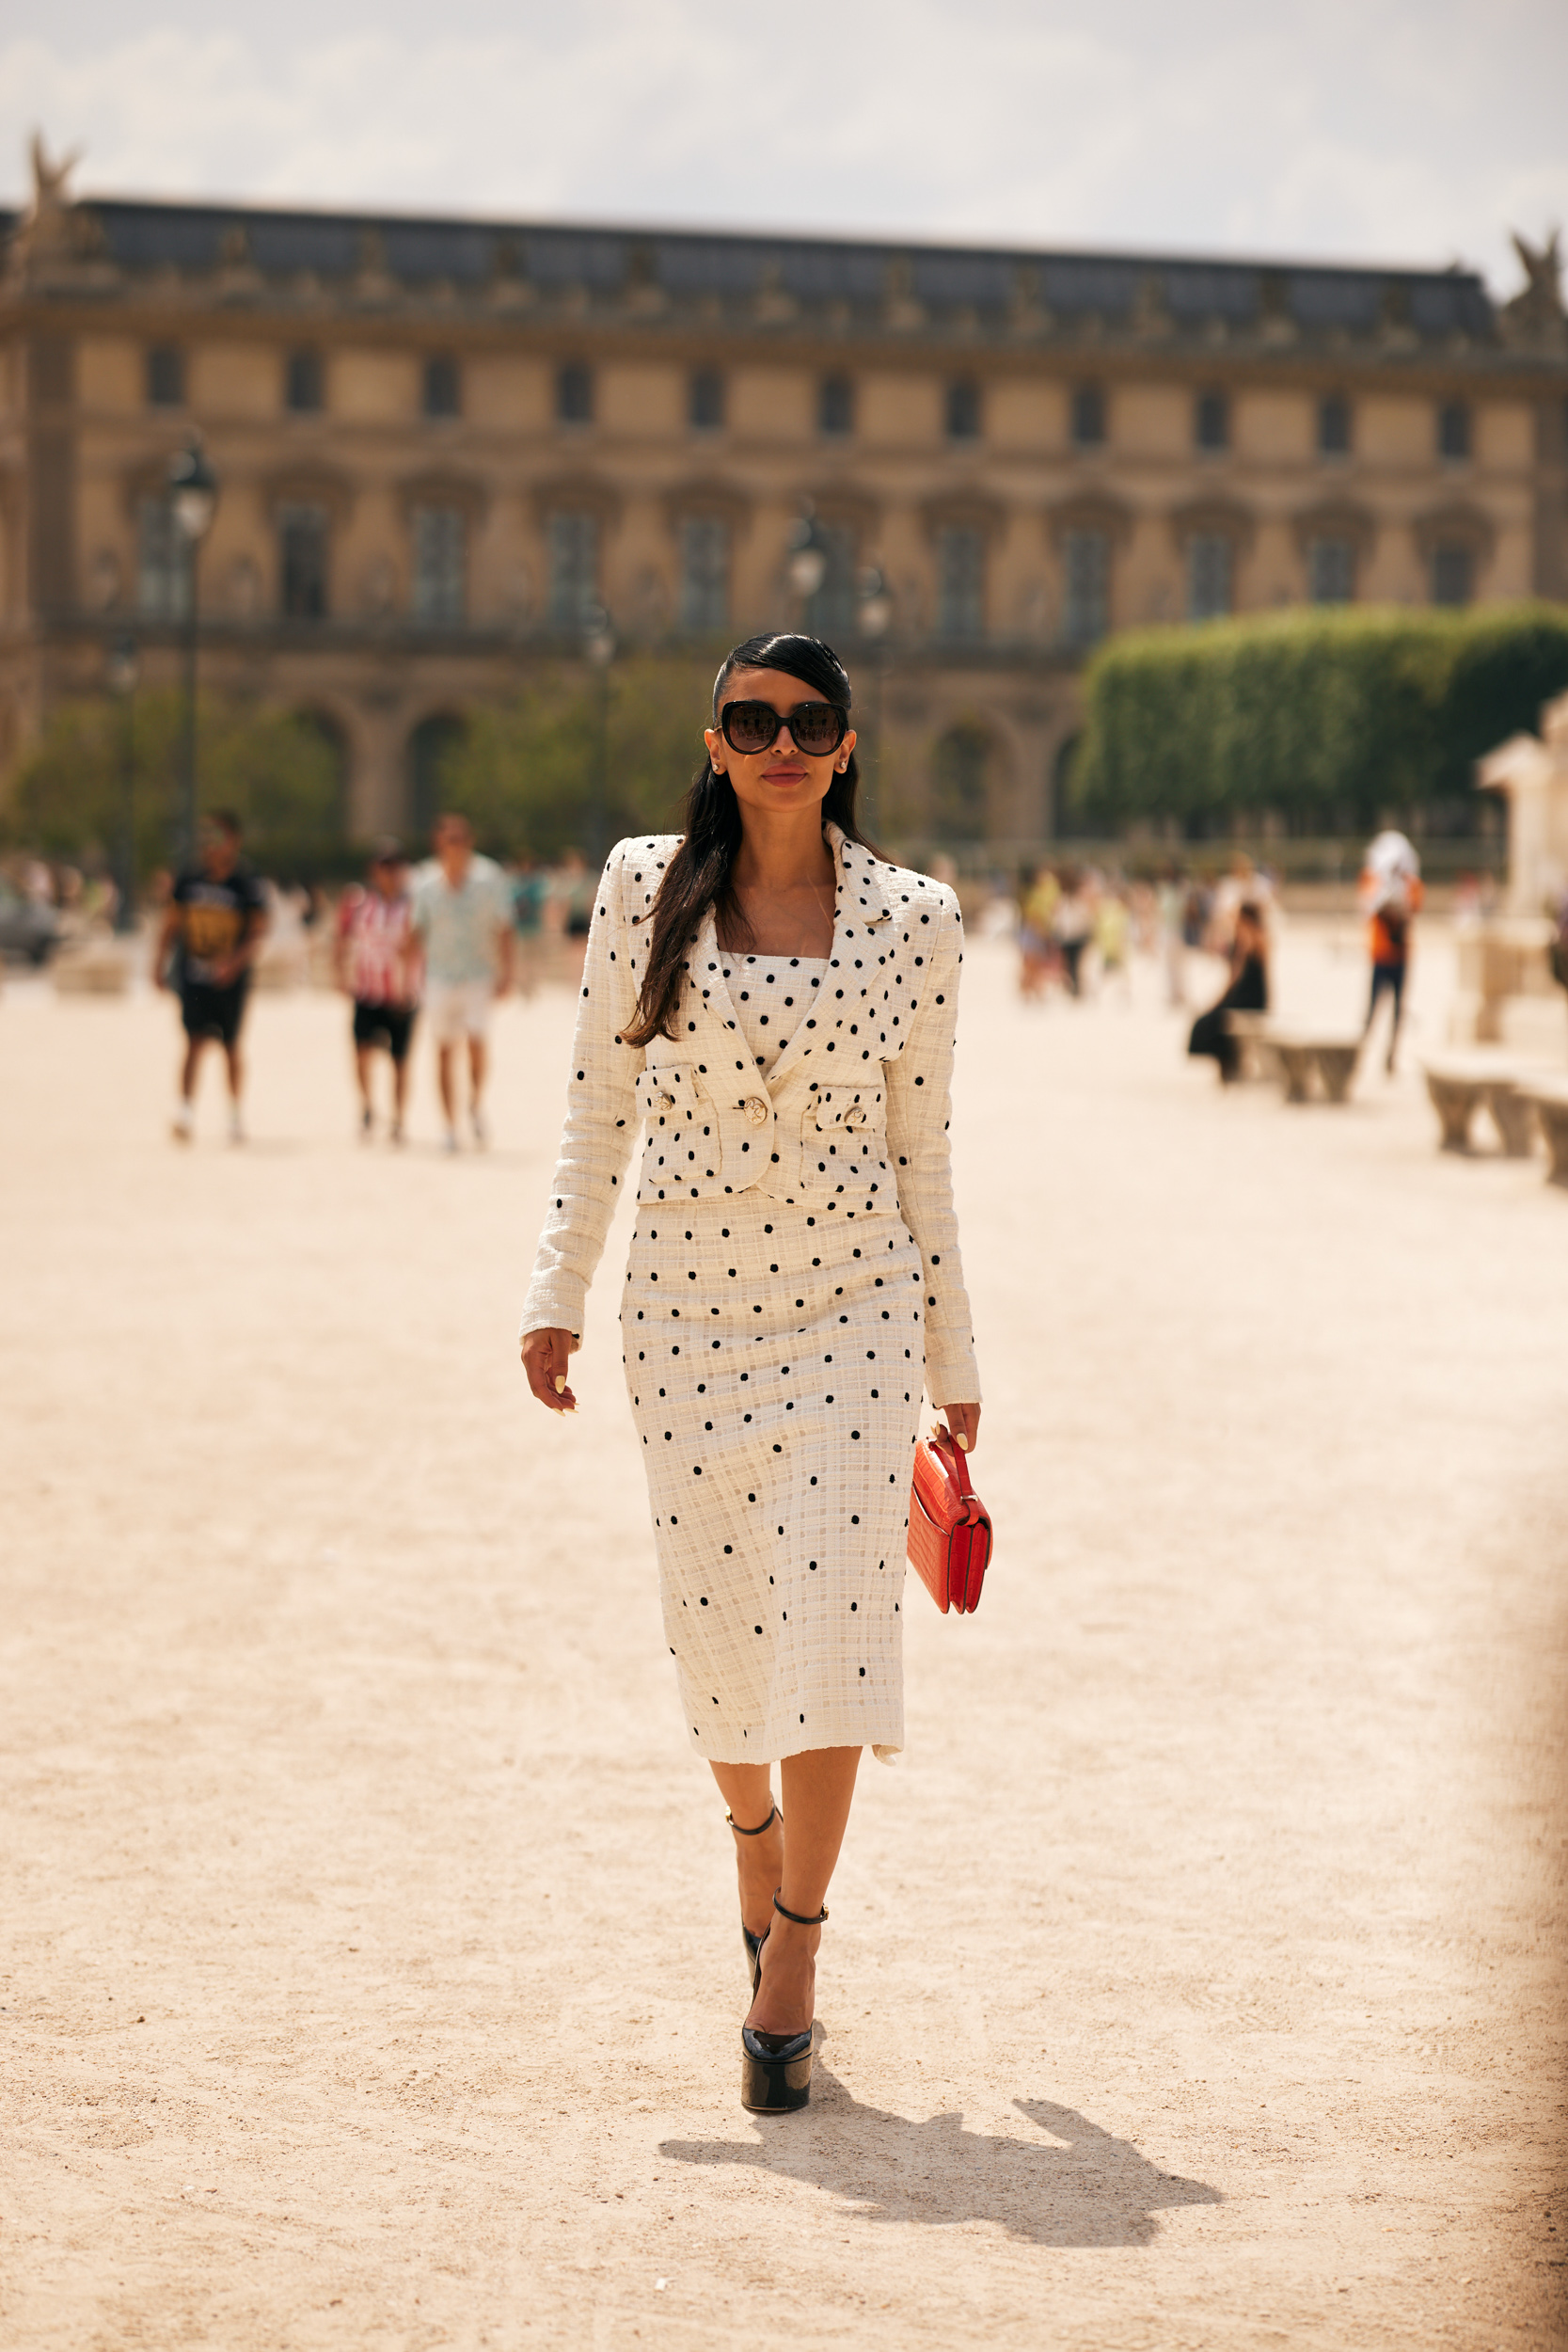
(778, 1006)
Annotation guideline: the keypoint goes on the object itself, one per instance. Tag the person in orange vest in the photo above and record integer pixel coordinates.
(1390, 893)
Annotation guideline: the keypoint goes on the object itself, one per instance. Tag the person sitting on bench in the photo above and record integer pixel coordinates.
(1246, 991)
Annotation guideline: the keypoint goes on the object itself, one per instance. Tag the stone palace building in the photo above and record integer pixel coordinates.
(441, 446)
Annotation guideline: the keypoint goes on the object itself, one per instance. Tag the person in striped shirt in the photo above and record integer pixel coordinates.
(377, 964)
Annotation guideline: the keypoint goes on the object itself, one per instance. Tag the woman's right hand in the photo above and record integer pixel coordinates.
(545, 1359)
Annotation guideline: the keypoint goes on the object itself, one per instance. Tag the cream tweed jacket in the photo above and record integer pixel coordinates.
(852, 1122)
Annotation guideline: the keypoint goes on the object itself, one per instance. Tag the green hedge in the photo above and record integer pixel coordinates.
(1334, 719)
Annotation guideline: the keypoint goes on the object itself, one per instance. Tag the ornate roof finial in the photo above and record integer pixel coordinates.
(50, 192)
(1536, 311)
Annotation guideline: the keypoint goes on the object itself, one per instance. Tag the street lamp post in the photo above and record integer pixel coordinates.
(193, 495)
(121, 669)
(598, 643)
(876, 619)
(807, 565)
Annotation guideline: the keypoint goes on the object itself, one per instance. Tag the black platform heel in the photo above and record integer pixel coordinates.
(775, 2067)
(755, 1943)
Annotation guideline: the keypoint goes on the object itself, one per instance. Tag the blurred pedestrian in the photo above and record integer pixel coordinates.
(1038, 892)
(375, 961)
(531, 890)
(1113, 926)
(1173, 935)
(1557, 949)
(1247, 991)
(1390, 894)
(463, 917)
(1071, 926)
(212, 928)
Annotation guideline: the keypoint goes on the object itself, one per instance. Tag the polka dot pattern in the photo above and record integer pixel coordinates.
(774, 1373)
(794, 1279)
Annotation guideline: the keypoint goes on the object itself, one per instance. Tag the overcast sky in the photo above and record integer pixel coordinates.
(1384, 130)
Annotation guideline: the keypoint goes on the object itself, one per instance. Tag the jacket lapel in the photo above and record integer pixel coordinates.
(860, 909)
(712, 991)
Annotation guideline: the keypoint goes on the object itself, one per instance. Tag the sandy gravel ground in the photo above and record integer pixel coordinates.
(369, 1968)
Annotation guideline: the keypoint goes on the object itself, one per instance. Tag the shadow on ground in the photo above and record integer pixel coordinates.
(1082, 2188)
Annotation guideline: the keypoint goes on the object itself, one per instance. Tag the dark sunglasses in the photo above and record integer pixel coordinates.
(815, 729)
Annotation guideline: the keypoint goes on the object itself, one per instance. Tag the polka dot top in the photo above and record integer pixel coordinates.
(772, 996)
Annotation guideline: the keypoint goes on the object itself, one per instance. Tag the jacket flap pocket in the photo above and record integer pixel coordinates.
(832, 1109)
(668, 1089)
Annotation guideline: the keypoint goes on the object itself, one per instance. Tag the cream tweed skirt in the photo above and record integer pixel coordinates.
(775, 1362)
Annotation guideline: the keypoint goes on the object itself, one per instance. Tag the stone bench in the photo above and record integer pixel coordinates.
(1251, 1032)
(1315, 1066)
(1460, 1088)
(1547, 1098)
(97, 968)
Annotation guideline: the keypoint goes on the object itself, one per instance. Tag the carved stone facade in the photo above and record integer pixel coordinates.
(438, 442)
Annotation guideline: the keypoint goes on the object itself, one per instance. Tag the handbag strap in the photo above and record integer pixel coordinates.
(955, 1454)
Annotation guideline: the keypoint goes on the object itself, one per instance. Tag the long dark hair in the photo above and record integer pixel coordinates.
(699, 875)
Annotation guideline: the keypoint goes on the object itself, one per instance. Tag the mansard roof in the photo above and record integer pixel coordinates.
(858, 282)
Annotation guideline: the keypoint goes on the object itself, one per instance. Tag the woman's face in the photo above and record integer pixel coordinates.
(781, 777)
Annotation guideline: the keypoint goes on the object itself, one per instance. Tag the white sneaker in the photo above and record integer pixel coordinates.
(482, 1133)
(236, 1128)
(182, 1125)
(449, 1142)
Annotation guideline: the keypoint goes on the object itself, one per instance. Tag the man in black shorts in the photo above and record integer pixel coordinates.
(376, 959)
(213, 927)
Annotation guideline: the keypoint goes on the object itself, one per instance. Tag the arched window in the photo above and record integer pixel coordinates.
(329, 746)
(960, 785)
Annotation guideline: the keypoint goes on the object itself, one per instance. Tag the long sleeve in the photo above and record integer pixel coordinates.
(601, 1116)
(919, 1108)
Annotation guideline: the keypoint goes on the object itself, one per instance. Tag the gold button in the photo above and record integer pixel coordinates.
(756, 1110)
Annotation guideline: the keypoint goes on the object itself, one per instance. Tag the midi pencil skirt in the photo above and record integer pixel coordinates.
(775, 1362)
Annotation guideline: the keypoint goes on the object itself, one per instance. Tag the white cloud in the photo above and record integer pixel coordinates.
(1385, 130)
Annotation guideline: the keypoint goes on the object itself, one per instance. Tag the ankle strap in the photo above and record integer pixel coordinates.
(772, 1815)
(801, 1921)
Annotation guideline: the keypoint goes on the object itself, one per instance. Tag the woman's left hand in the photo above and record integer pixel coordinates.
(963, 1425)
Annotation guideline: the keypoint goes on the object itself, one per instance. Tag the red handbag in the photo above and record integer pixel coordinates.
(949, 1546)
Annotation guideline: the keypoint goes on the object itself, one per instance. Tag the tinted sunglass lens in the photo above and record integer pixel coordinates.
(750, 727)
(816, 727)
